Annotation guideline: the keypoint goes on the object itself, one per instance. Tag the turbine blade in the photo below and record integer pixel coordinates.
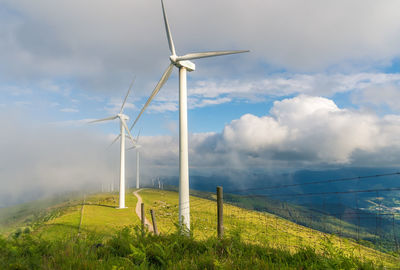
(115, 140)
(126, 97)
(162, 81)
(129, 132)
(104, 119)
(167, 29)
(191, 56)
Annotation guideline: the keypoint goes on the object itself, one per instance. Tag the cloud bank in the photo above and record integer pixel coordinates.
(301, 132)
(38, 160)
(99, 44)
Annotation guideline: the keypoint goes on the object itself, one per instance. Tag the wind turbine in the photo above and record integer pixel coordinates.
(184, 64)
(123, 127)
(137, 146)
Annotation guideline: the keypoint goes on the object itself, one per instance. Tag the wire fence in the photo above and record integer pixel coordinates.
(269, 219)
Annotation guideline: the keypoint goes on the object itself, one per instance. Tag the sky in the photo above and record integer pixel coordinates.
(319, 88)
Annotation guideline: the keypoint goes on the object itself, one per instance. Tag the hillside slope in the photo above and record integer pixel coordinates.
(97, 215)
(254, 227)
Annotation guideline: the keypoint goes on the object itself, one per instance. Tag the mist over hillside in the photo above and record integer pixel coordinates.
(259, 183)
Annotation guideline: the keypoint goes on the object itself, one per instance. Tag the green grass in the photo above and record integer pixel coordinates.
(256, 227)
(100, 215)
(299, 214)
(270, 242)
(130, 249)
(16, 216)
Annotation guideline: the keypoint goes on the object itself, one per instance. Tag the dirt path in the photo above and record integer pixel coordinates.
(138, 212)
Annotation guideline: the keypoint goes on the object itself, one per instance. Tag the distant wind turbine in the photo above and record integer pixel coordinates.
(184, 65)
(123, 127)
(137, 147)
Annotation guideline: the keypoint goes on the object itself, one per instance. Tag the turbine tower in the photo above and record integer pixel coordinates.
(123, 127)
(184, 64)
(137, 146)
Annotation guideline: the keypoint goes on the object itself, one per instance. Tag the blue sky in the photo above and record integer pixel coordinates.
(319, 88)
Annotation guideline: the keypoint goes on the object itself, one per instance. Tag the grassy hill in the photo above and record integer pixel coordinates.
(93, 226)
(253, 226)
(33, 212)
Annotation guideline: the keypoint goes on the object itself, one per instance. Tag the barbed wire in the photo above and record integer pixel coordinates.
(316, 182)
(323, 193)
(305, 216)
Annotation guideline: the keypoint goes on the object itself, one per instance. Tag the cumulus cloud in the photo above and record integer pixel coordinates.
(304, 131)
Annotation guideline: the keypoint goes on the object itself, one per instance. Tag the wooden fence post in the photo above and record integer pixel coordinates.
(142, 216)
(220, 212)
(153, 218)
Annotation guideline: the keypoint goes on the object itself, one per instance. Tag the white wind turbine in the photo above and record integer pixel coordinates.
(137, 147)
(184, 65)
(123, 127)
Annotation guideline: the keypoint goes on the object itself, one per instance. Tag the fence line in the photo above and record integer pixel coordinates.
(317, 182)
(379, 229)
(324, 193)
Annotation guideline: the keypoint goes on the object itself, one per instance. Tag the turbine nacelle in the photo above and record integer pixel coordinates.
(123, 116)
(136, 146)
(190, 66)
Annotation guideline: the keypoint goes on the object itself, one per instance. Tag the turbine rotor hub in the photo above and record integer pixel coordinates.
(123, 116)
(173, 58)
(190, 66)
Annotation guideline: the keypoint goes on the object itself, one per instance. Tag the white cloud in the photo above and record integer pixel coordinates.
(304, 131)
(15, 91)
(69, 110)
(199, 103)
(251, 133)
(22, 103)
(323, 49)
(53, 159)
(289, 84)
(114, 106)
(50, 86)
(368, 88)
(308, 130)
(160, 107)
(72, 123)
(386, 95)
(100, 44)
